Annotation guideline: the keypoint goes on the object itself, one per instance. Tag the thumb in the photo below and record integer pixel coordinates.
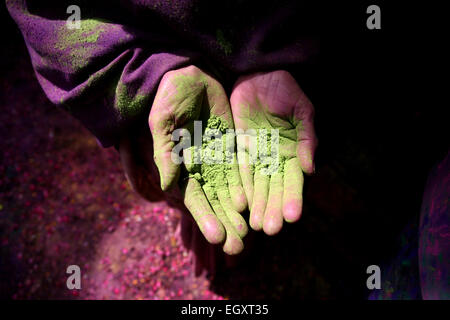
(306, 137)
(177, 103)
(168, 123)
(163, 145)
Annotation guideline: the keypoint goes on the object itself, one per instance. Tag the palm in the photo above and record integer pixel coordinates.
(184, 96)
(275, 101)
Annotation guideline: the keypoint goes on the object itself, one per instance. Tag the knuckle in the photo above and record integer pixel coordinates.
(168, 75)
(193, 70)
(283, 73)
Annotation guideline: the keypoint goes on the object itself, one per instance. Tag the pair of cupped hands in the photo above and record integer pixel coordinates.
(268, 100)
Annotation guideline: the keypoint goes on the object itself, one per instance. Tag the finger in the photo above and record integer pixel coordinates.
(196, 202)
(244, 141)
(306, 136)
(246, 173)
(234, 217)
(293, 188)
(233, 243)
(237, 194)
(261, 190)
(273, 216)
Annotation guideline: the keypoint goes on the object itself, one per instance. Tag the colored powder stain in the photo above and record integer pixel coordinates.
(79, 41)
(190, 92)
(89, 32)
(190, 89)
(129, 105)
(212, 173)
(268, 161)
(263, 122)
(224, 44)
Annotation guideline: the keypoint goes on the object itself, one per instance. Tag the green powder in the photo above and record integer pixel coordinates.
(224, 44)
(211, 175)
(88, 32)
(190, 91)
(127, 104)
(268, 161)
(80, 42)
(256, 118)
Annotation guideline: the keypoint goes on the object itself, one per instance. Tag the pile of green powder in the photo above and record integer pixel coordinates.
(213, 175)
(266, 161)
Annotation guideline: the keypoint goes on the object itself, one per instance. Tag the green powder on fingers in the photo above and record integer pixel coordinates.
(213, 172)
(268, 159)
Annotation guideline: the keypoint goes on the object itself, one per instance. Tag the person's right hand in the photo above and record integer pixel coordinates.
(183, 96)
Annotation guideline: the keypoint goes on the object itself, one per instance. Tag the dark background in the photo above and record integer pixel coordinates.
(381, 128)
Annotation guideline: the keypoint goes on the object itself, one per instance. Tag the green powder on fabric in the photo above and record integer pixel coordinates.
(224, 44)
(79, 42)
(129, 105)
(88, 32)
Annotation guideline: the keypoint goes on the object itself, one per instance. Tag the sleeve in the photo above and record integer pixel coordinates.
(105, 73)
